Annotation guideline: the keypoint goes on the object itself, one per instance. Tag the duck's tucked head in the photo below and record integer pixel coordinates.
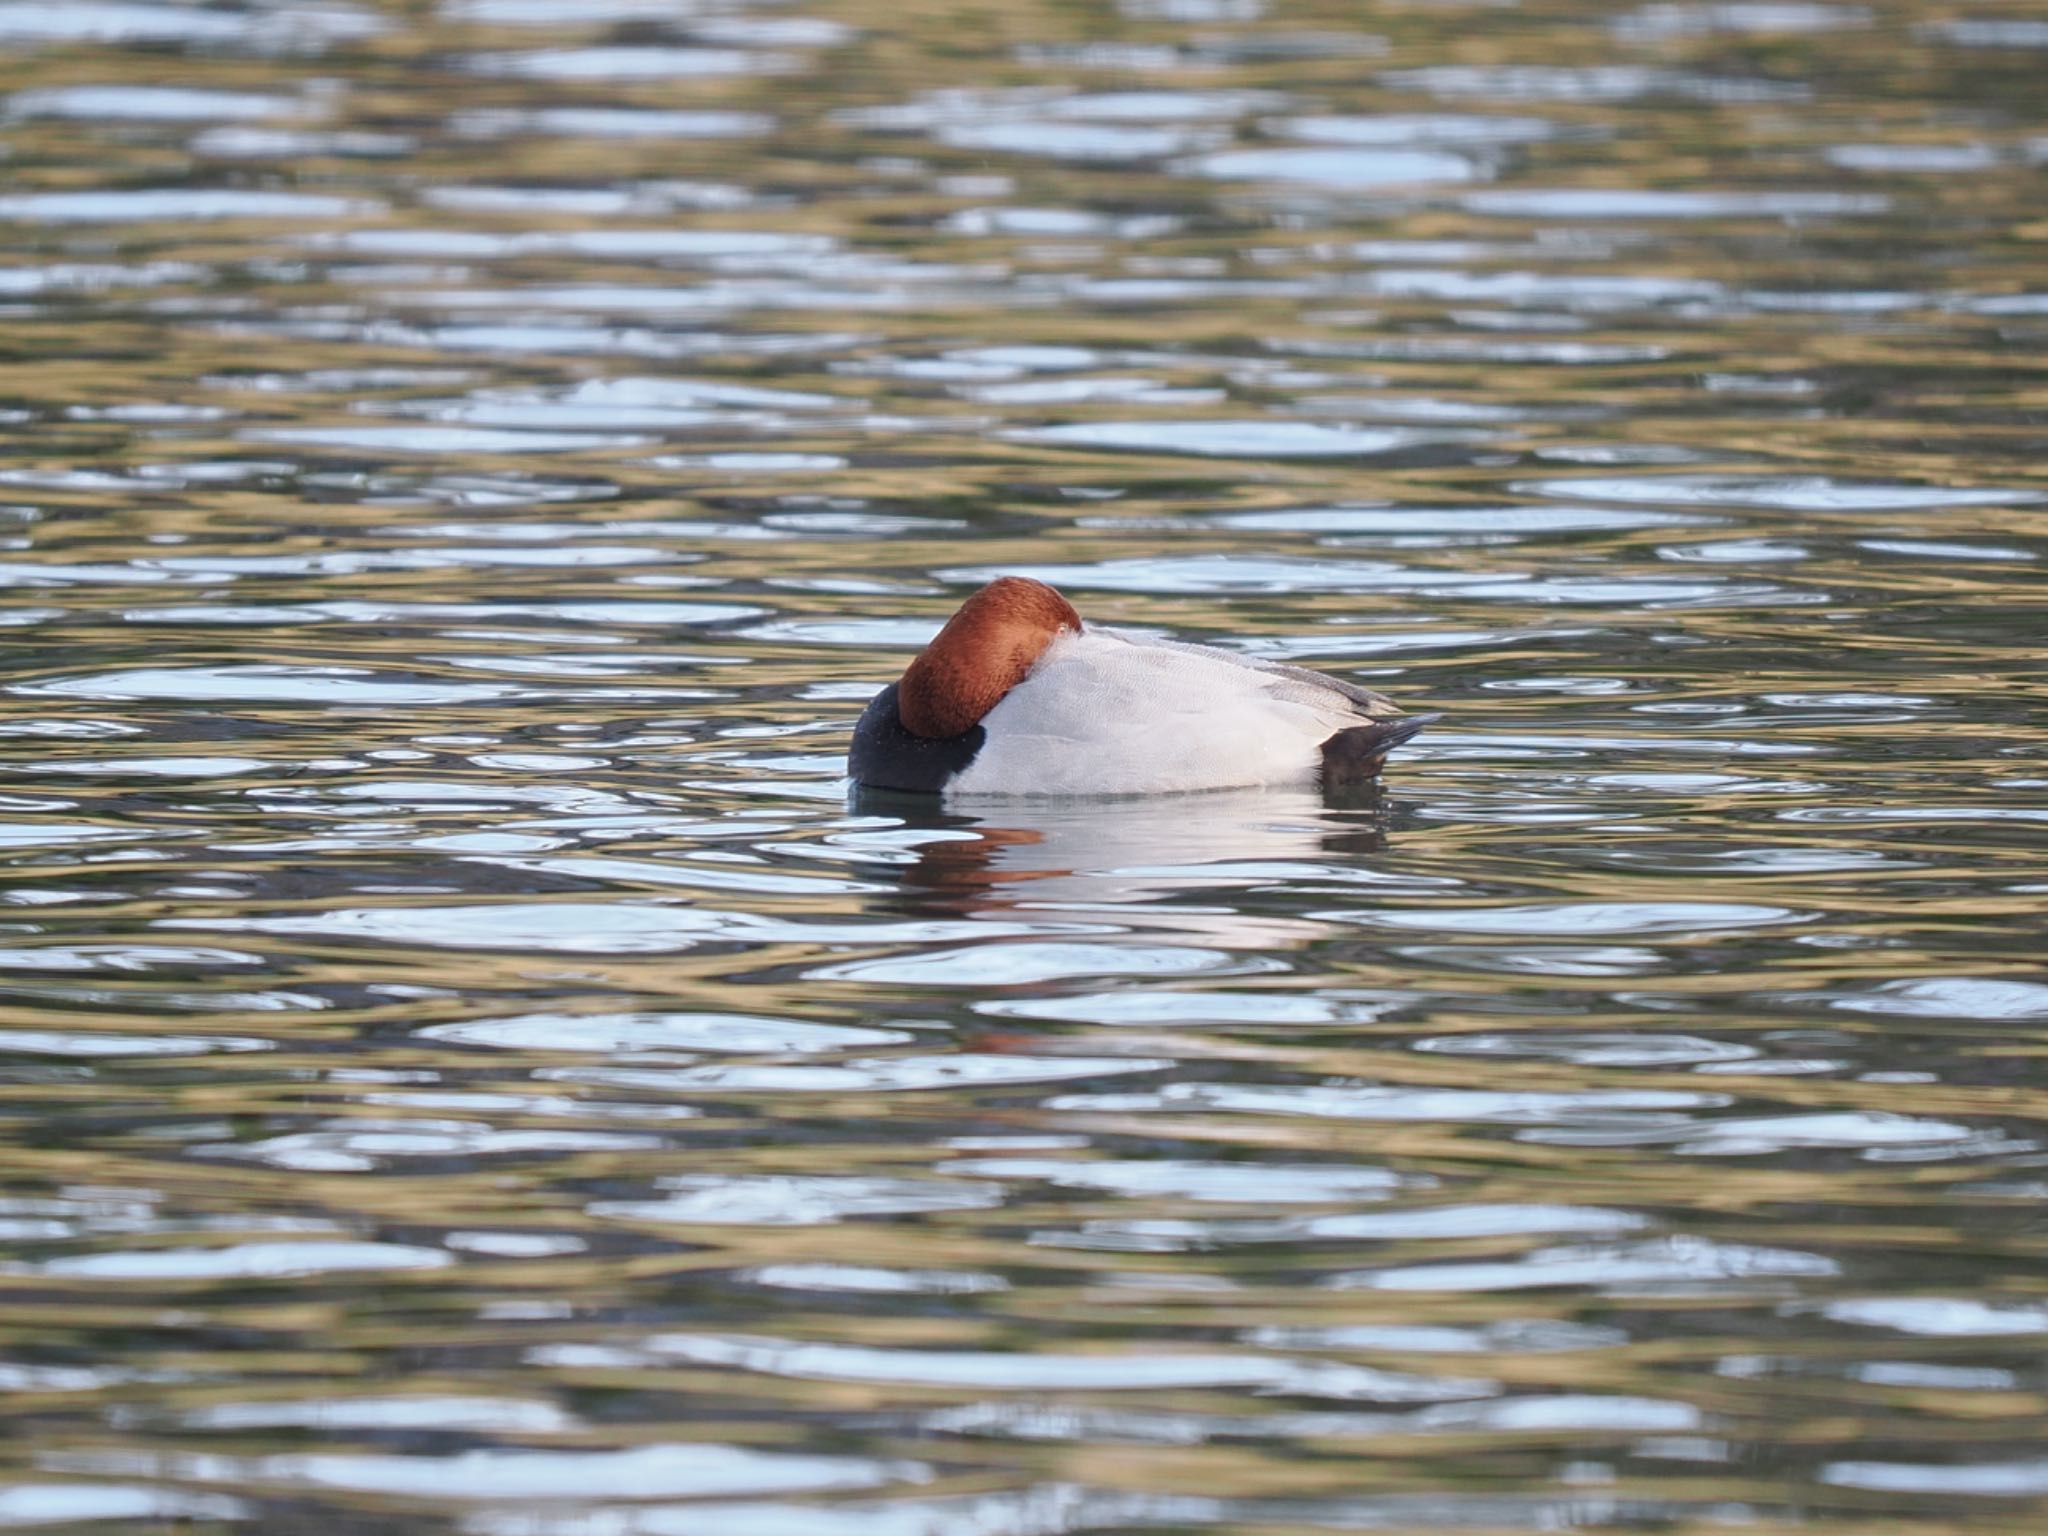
(983, 652)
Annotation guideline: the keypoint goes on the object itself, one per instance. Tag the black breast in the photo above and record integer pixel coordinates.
(886, 756)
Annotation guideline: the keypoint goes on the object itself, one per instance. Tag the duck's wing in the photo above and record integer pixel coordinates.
(1309, 686)
(1355, 749)
(1352, 754)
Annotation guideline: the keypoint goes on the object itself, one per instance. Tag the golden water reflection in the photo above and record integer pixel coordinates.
(469, 1066)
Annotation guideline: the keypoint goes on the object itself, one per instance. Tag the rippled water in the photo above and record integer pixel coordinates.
(469, 1067)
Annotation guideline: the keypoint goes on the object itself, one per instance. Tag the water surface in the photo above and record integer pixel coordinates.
(470, 1067)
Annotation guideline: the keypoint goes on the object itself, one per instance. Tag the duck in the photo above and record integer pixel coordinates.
(1016, 695)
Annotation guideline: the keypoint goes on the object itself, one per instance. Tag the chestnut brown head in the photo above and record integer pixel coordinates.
(984, 651)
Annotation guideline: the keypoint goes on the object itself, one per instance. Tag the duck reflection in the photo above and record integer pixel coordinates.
(1081, 856)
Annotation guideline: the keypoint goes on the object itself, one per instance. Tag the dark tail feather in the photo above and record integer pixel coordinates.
(1354, 755)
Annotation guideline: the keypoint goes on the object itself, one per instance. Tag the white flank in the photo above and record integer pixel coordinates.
(1106, 713)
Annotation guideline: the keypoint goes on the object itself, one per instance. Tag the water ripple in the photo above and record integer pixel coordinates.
(470, 1062)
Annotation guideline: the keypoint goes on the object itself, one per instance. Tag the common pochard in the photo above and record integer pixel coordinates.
(1017, 696)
